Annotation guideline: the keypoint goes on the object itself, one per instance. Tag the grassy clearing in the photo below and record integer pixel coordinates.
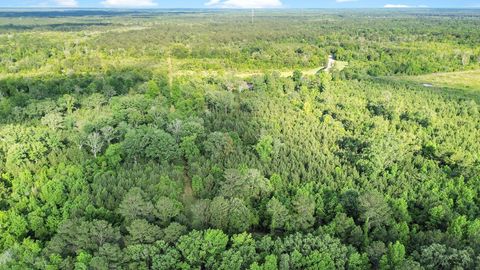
(465, 80)
(284, 74)
(340, 65)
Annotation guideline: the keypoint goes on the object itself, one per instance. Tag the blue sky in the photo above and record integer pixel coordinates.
(244, 3)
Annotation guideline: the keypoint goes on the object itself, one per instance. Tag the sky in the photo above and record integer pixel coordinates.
(243, 3)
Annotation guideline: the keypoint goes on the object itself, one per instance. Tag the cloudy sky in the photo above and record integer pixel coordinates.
(243, 3)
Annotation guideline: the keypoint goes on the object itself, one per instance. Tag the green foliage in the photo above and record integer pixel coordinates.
(202, 249)
(395, 257)
(135, 205)
(264, 148)
(153, 89)
(128, 146)
(146, 142)
(280, 216)
(358, 261)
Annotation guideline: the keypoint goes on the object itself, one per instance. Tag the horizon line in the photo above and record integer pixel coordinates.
(220, 8)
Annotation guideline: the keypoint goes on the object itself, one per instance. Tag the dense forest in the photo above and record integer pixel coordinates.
(171, 140)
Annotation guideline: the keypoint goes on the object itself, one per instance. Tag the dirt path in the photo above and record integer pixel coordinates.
(188, 199)
(187, 188)
(331, 63)
(170, 71)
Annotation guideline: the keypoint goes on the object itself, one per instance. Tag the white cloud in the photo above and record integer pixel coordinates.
(244, 3)
(129, 3)
(212, 3)
(345, 1)
(403, 6)
(396, 6)
(67, 3)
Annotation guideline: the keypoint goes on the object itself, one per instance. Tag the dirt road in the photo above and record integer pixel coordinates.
(331, 63)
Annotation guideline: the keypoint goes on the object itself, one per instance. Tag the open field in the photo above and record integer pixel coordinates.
(340, 65)
(283, 74)
(466, 80)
